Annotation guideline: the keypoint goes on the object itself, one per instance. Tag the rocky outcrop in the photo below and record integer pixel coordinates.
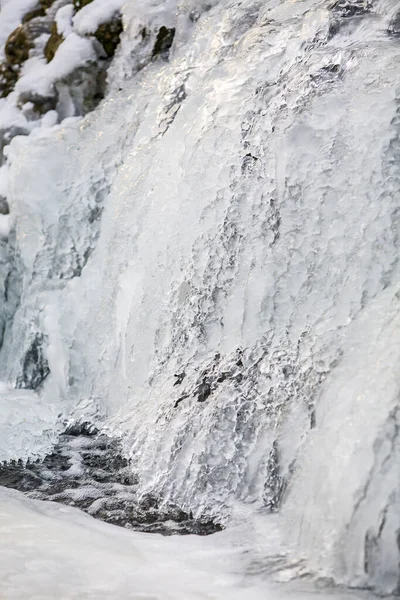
(18, 46)
(165, 37)
(54, 42)
(35, 367)
(88, 470)
(108, 34)
(78, 4)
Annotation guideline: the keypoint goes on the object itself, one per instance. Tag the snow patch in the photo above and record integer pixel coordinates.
(90, 17)
(38, 76)
(64, 19)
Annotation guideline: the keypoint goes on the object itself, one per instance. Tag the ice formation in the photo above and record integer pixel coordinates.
(205, 262)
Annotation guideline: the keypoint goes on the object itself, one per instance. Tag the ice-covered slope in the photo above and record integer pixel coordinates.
(189, 264)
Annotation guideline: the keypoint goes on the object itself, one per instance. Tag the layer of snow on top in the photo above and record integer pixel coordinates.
(39, 76)
(89, 18)
(64, 19)
(10, 115)
(11, 14)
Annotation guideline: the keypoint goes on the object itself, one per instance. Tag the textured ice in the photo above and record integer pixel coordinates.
(26, 424)
(193, 261)
(354, 449)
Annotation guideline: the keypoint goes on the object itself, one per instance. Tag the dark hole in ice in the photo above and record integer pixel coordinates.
(164, 40)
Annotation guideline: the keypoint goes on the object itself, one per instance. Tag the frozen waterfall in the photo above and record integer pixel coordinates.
(206, 265)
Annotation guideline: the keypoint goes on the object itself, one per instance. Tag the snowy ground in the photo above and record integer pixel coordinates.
(50, 551)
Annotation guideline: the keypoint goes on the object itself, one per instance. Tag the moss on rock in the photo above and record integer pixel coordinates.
(8, 79)
(18, 46)
(45, 4)
(78, 4)
(33, 14)
(108, 34)
(54, 41)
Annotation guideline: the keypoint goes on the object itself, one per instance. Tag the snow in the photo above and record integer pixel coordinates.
(63, 19)
(49, 551)
(38, 76)
(11, 116)
(88, 19)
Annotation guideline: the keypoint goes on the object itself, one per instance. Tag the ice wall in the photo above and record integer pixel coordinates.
(187, 260)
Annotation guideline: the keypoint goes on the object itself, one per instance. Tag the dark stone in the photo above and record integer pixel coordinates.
(179, 378)
(313, 418)
(238, 378)
(287, 371)
(35, 367)
(8, 79)
(223, 376)
(275, 485)
(45, 4)
(180, 399)
(165, 38)
(54, 42)
(78, 4)
(102, 484)
(17, 46)
(41, 105)
(95, 214)
(108, 34)
(204, 390)
(85, 428)
(394, 25)
(33, 14)
(4, 208)
(209, 379)
(334, 68)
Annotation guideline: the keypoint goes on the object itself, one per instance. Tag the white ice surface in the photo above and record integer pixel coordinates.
(26, 423)
(49, 551)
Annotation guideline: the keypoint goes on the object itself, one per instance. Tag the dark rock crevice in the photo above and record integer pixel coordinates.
(35, 367)
(88, 470)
